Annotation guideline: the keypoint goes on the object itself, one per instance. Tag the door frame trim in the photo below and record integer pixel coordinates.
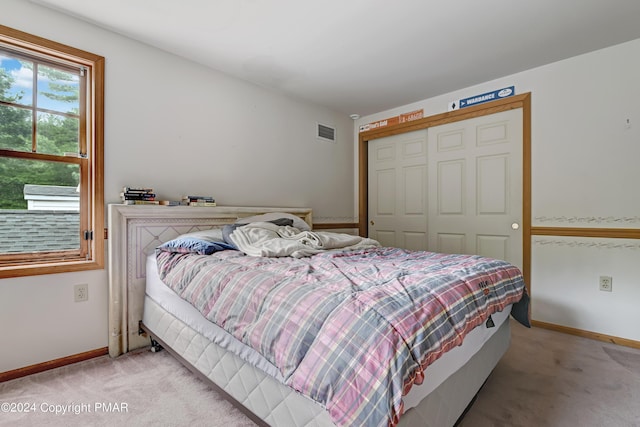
(517, 101)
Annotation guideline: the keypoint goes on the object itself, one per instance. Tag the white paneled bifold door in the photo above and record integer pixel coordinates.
(454, 188)
(398, 190)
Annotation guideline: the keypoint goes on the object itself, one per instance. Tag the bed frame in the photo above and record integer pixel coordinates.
(135, 232)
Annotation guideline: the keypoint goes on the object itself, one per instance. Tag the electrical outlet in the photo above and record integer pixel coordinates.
(81, 292)
(606, 283)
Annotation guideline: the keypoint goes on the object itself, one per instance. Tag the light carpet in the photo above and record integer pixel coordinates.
(551, 379)
(546, 379)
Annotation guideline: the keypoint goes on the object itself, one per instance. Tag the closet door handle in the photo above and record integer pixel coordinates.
(515, 226)
(372, 223)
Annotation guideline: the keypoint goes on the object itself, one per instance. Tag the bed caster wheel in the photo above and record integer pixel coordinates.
(155, 346)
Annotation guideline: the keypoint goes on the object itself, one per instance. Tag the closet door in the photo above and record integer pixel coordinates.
(455, 188)
(475, 186)
(398, 190)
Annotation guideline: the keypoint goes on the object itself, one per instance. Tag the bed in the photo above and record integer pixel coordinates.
(144, 309)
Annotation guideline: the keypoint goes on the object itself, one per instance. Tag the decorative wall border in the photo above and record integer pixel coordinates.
(587, 242)
(591, 220)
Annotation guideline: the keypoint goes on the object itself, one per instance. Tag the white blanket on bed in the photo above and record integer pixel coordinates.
(270, 240)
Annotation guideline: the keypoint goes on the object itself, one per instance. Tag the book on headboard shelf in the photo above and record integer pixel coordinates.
(194, 200)
(141, 202)
(138, 196)
(201, 204)
(137, 190)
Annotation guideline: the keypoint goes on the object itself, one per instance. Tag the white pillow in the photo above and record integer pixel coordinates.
(212, 235)
(298, 222)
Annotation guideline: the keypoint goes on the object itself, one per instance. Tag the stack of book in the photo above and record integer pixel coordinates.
(138, 196)
(198, 201)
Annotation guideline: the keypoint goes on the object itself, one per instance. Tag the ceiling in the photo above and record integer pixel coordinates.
(367, 56)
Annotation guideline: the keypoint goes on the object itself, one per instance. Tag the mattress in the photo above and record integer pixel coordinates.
(162, 298)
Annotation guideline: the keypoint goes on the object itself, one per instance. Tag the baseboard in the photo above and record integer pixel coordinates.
(52, 364)
(587, 334)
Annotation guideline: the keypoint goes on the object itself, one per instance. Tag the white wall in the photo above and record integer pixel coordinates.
(180, 128)
(585, 174)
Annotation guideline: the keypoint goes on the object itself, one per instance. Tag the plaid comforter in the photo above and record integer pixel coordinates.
(351, 330)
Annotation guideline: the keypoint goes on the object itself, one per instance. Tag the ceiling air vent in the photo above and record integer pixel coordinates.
(326, 133)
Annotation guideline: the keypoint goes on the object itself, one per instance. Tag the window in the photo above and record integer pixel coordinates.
(51, 156)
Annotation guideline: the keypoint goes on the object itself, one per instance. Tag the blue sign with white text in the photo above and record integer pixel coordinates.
(489, 96)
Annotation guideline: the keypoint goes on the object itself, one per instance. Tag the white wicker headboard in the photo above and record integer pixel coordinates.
(134, 233)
